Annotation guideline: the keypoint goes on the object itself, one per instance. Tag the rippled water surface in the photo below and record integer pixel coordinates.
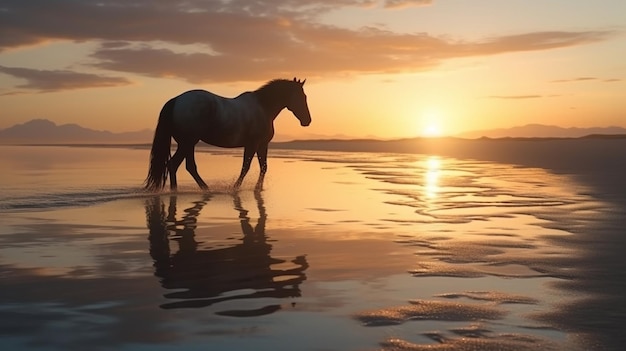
(339, 251)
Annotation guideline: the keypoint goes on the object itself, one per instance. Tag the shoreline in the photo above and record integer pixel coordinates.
(590, 155)
(599, 161)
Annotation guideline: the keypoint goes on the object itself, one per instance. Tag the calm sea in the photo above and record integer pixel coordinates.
(339, 251)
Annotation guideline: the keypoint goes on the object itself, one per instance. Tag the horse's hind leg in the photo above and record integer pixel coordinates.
(173, 165)
(193, 169)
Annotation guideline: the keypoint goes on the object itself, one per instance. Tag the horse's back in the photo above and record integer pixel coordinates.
(217, 120)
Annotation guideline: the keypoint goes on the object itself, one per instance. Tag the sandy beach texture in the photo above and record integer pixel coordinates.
(429, 245)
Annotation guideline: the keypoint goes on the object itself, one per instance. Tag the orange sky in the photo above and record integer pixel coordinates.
(388, 68)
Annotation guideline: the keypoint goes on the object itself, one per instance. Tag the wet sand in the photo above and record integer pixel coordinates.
(597, 272)
(340, 251)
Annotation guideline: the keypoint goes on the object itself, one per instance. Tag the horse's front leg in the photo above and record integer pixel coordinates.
(262, 157)
(248, 154)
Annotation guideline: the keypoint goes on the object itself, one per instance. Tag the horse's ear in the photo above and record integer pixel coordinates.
(304, 81)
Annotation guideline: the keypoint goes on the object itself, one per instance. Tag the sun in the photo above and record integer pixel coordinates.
(432, 130)
(431, 124)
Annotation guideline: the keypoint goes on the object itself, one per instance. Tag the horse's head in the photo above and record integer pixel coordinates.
(297, 103)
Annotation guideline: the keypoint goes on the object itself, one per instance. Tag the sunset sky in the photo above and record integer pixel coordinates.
(384, 68)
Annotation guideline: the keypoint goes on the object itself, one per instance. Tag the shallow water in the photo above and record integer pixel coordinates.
(339, 251)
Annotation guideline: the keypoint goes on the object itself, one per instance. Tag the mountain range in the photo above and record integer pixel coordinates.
(43, 131)
(542, 131)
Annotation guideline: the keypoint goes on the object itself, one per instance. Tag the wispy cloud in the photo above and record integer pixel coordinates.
(537, 41)
(400, 4)
(582, 79)
(244, 39)
(520, 97)
(53, 80)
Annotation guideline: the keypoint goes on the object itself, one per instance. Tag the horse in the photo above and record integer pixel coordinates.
(244, 121)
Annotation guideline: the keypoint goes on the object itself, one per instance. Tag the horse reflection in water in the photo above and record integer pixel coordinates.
(207, 277)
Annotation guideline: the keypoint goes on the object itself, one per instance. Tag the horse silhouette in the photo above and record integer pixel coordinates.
(244, 121)
(206, 277)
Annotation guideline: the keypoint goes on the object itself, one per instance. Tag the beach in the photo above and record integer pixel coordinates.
(436, 245)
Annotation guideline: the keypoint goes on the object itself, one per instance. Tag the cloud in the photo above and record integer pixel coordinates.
(582, 79)
(515, 97)
(518, 97)
(316, 50)
(579, 79)
(537, 41)
(189, 22)
(399, 4)
(246, 40)
(53, 80)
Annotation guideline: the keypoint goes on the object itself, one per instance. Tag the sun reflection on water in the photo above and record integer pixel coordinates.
(431, 177)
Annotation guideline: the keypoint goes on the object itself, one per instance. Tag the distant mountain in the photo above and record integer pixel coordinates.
(278, 138)
(43, 131)
(542, 131)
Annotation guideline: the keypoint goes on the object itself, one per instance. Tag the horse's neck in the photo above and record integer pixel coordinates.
(273, 112)
(272, 107)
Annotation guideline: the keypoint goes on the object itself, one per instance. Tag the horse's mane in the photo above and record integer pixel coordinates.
(276, 88)
(274, 82)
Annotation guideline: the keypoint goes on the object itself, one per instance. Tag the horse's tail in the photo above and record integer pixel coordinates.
(160, 153)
